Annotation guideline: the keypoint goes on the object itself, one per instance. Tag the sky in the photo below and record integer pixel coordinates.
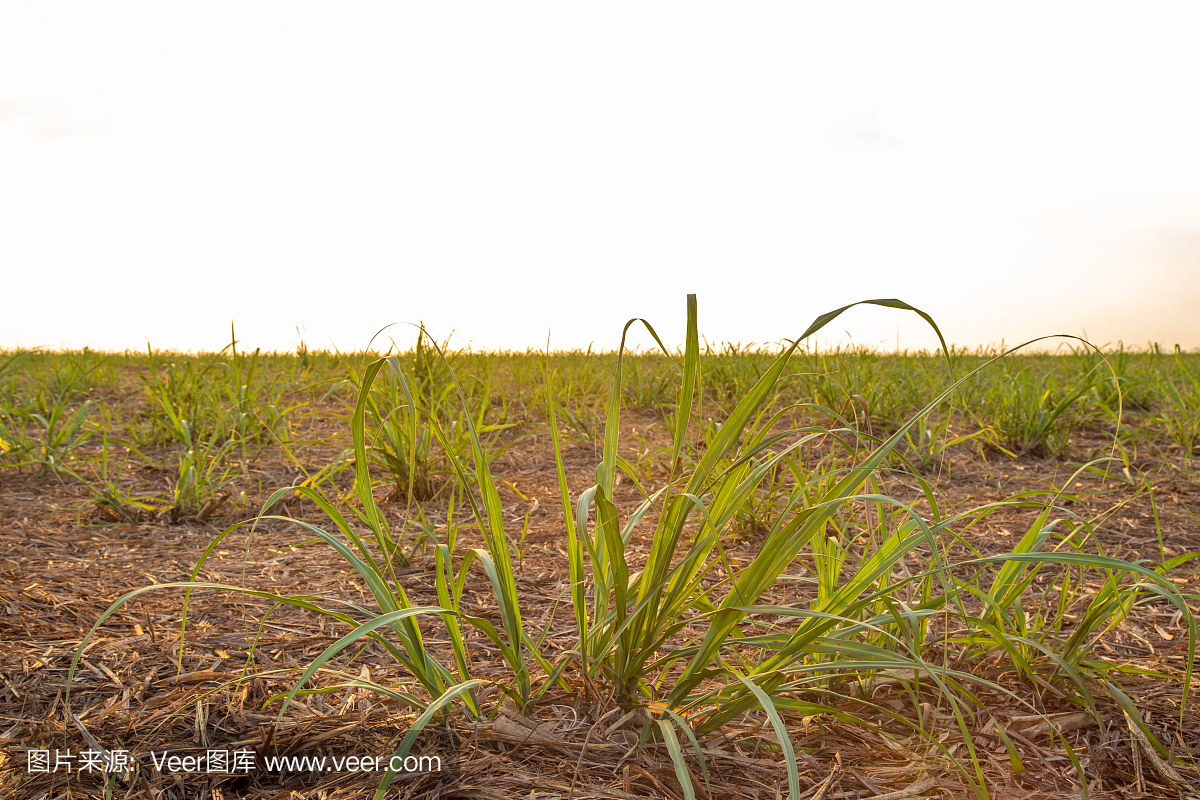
(515, 174)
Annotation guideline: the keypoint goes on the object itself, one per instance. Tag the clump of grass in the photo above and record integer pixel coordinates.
(13, 440)
(865, 618)
(63, 430)
(927, 442)
(46, 425)
(404, 440)
(408, 405)
(1181, 420)
(1029, 408)
(207, 411)
(648, 384)
(217, 399)
(110, 499)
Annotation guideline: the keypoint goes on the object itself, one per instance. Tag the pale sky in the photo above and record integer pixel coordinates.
(509, 171)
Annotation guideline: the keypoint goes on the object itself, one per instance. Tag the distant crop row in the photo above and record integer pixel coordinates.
(199, 416)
